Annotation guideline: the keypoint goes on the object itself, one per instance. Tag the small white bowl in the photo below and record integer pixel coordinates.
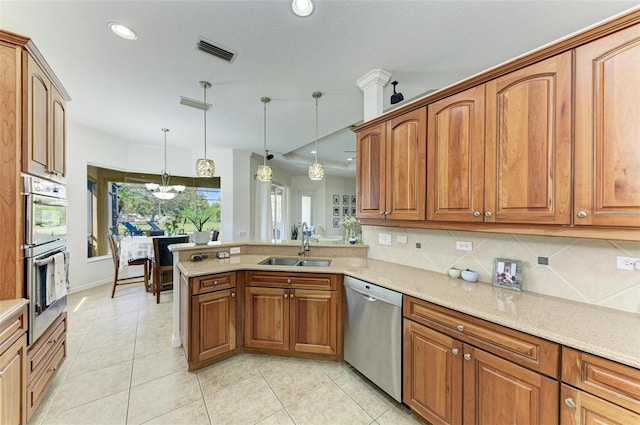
(455, 273)
(470, 276)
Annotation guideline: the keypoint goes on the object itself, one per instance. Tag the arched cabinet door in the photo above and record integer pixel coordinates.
(370, 172)
(607, 131)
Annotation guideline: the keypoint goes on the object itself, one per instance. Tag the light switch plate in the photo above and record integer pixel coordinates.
(464, 246)
(401, 238)
(235, 250)
(626, 263)
(384, 238)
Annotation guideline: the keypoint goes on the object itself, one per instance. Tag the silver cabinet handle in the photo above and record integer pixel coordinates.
(476, 213)
(582, 214)
(286, 295)
(381, 213)
(454, 351)
(467, 356)
(288, 280)
(233, 295)
(215, 282)
(291, 294)
(387, 213)
(569, 402)
(460, 328)
(487, 214)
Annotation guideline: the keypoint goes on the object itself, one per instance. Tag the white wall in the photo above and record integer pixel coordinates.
(300, 184)
(340, 187)
(86, 146)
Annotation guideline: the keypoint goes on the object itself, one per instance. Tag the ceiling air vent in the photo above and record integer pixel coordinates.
(218, 51)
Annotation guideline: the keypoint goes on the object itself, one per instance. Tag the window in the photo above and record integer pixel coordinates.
(305, 209)
(277, 211)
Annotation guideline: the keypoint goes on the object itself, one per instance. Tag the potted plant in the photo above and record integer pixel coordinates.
(200, 237)
(294, 233)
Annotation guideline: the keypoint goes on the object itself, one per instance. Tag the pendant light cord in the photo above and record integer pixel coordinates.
(264, 159)
(316, 129)
(205, 120)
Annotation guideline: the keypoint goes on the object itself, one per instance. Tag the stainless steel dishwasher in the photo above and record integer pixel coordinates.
(373, 334)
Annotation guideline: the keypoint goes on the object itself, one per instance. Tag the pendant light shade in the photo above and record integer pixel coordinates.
(205, 167)
(264, 171)
(316, 170)
(163, 191)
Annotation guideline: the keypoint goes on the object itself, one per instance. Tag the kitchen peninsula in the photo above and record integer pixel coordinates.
(549, 339)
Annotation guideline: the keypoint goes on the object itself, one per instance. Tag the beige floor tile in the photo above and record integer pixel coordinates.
(105, 339)
(225, 373)
(153, 366)
(245, 402)
(110, 410)
(77, 390)
(292, 379)
(161, 396)
(279, 418)
(95, 359)
(154, 329)
(399, 415)
(146, 345)
(333, 369)
(191, 414)
(328, 405)
(120, 321)
(373, 400)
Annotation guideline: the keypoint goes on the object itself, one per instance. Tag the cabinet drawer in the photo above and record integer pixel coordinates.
(46, 345)
(12, 328)
(294, 280)
(617, 383)
(526, 350)
(204, 284)
(36, 388)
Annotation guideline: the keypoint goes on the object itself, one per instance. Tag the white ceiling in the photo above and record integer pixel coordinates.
(132, 89)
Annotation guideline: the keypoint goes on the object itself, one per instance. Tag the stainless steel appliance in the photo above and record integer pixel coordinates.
(45, 236)
(373, 334)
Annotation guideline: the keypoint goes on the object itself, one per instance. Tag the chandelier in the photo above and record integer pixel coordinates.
(205, 167)
(264, 171)
(164, 191)
(316, 170)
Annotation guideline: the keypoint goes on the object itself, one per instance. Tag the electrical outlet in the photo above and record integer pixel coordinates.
(464, 246)
(401, 238)
(384, 238)
(235, 250)
(626, 263)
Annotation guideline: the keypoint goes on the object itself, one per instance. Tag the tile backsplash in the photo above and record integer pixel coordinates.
(582, 270)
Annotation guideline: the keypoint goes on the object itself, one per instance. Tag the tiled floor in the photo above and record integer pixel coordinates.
(121, 369)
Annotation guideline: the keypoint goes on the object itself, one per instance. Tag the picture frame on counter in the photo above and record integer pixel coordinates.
(507, 273)
(336, 199)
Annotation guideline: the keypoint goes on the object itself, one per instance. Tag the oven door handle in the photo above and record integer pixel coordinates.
(54, 202)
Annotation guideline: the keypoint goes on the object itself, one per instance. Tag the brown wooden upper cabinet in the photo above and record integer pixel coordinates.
(44, 147)
(501, 152)
(391, 168)
(607, 130)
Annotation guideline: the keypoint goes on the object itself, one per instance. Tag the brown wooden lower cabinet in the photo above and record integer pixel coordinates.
(291, 319)
(581, 408)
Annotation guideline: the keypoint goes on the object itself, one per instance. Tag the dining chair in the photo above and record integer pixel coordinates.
(163, 263)
(139, 261)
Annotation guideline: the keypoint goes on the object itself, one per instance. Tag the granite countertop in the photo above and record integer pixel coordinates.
(605, 332)
(10, 307)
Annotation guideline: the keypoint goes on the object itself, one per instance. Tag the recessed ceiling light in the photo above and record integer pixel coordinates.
(123, 31)
(349, 159)
(313, 152)
(302, 7)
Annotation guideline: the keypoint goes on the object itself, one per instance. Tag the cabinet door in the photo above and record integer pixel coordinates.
(406, 166)
(455, 157)
(580, 408)
(213, 318)
(607, 131)
(528, 144)
(57, 164)
(36, 151)
(12, 384)
(370, 172)
(497, 391)
(432, 374)
(266, 318)
(314, 327)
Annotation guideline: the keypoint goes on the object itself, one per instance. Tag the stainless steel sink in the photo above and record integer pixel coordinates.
(274, 261)
(277, 261)
(314, 263)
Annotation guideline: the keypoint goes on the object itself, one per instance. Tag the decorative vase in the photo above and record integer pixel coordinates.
(347, 235)
(352, 237)
(470, 275)
(201, 238)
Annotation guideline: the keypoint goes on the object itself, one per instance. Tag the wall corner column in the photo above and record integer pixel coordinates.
(372, 85)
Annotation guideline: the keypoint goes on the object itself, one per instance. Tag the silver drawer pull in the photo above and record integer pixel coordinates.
(288, 280)
(460, 328)
(476, 213)
(233, 295)
(569, 402)
(487, 214)
(454, 351)
(467, 356)
(286, 296)
(582, 214)
(215, 282)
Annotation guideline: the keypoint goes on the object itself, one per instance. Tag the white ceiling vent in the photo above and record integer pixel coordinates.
(218, 51)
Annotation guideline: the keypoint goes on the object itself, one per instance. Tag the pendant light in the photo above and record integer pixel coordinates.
(163, 191)
(205, 167)
(264, 171)
(316, 170)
